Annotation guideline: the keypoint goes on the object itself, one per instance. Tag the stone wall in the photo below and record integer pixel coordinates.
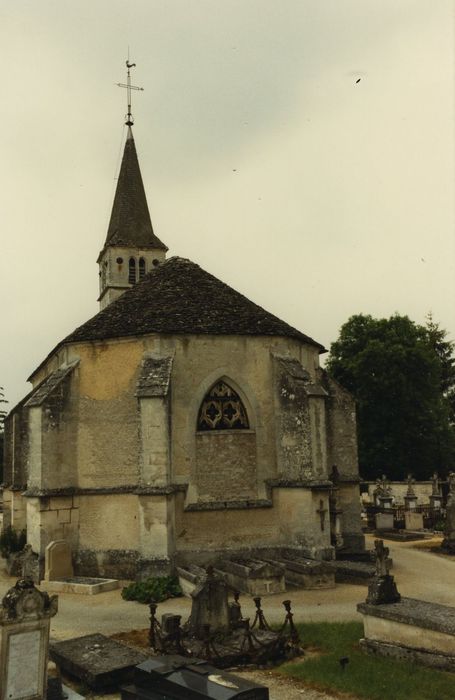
(226, 465)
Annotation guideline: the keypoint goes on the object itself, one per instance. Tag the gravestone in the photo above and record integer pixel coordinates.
(413, 521)
(383, 588)
(449, 539)
(436, 494)
(24, 628)
(57, 561)
(384, 521)
(99, 662)
(180, 677)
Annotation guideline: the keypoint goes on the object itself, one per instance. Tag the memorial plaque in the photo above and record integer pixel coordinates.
(23, 671)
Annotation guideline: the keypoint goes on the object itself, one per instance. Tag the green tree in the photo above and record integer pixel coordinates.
(399, 373)
(2, 422)
(445, 351)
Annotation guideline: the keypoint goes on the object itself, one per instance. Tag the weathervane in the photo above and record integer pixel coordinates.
(129, 87)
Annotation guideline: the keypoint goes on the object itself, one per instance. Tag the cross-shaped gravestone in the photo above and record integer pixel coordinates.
(382, 558)
(411, 482)
(322, 512)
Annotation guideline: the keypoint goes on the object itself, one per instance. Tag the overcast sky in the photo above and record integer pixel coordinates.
(264, 158)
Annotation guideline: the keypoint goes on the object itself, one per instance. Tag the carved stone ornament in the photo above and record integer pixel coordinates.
(25, 602)
(222, 409)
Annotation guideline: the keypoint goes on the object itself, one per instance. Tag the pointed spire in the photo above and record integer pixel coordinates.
(130, 224)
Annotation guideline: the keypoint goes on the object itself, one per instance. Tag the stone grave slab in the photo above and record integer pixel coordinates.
(189, 578)
(81, 584)
(413, 521)
(178, 677)
(99, 662)
(58, 561)
(309, 573)
(254, 576)
(384, 521)
(357, 572)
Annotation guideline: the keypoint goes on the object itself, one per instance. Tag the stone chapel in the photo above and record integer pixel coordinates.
(181, 423)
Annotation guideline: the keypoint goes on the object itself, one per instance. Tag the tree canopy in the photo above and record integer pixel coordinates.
(403, 378)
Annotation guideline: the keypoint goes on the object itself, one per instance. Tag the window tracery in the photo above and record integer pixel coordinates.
(222, 409)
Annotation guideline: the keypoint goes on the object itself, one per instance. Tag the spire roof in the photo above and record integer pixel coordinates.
(130, 224)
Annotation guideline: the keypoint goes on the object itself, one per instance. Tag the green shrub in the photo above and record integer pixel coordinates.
(155, 588)
(12, 541)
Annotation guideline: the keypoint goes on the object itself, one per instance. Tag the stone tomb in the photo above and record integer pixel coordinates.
(405, 628)
(59, 573)
(410, 630)
(413, 520)
(24, 627)
(384, 521)
(175, 676)
(254, 576)
(308, 573)
(99, 662)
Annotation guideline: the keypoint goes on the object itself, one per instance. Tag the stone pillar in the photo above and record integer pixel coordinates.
(35, 474)
(156, 498)
(157, 534)
(410, 501)
(318, 433)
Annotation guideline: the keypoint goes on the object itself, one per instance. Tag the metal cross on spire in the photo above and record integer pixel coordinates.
(129, 87)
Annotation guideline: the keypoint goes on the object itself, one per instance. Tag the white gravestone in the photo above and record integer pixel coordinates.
(384, 521)
(57, 561)
(24, 641)
(413, 521)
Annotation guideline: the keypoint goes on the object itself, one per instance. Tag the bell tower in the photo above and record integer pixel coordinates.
(131, 248)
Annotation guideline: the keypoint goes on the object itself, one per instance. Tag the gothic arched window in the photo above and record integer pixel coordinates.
(222, 409)
(141, 268)
(132, 271)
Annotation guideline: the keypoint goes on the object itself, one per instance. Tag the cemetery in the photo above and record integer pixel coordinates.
(191, 644)
(186, 441)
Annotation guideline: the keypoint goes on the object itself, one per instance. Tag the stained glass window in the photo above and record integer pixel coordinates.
(222, 409)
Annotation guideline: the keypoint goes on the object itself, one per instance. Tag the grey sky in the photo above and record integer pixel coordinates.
(263, 159)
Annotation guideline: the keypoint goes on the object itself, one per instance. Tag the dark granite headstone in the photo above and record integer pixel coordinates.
(177, 677)
(99, 662)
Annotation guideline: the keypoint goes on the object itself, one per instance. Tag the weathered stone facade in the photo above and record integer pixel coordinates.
(109, 453)
(121, 472)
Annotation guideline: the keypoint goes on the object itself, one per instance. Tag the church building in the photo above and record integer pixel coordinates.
(181, 423)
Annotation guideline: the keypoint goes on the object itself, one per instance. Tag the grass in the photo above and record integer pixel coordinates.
(368, 677)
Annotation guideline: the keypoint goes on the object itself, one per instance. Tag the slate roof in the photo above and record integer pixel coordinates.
(130, 224)
(44, 390)
(180, 297)
(155, 376)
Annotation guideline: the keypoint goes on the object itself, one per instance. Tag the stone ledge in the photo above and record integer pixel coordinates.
(229, 505)
(433, 659)
(420, 613)
(105, 490)
(316, 484)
